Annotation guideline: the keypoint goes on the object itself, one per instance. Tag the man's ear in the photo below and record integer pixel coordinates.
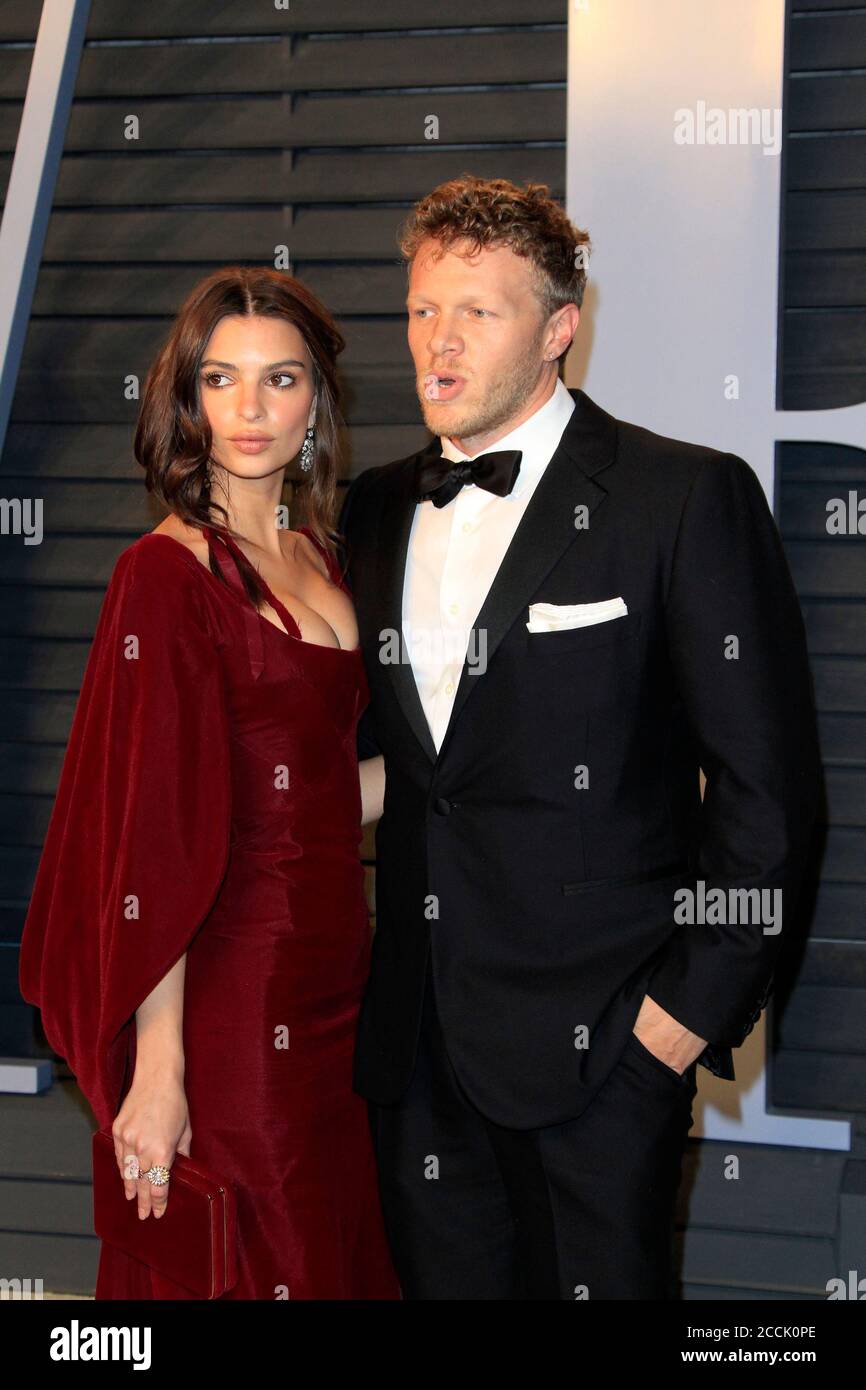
(562, 328)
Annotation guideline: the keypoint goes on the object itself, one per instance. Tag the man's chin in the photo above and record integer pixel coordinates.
(442, 418)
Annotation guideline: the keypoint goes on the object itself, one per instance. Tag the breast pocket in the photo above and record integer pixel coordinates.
(591, 666)
(614, 632)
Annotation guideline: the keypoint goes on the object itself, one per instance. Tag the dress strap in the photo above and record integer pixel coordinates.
(277, 604)
(222, 548)
(224, 552)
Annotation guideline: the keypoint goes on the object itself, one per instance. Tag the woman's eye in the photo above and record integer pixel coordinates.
(213, 379)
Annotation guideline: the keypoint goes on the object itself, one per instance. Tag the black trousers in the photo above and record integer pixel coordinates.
(583, 1209)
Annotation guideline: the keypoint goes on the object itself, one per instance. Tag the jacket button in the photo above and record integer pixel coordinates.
(442, 806)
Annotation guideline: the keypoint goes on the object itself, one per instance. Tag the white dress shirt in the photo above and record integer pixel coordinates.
(454, 555)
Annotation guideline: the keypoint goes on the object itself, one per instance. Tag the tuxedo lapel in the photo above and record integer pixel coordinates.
(396, 524)
(546, 530)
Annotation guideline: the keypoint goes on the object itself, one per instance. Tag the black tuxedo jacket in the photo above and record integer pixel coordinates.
(545, 895)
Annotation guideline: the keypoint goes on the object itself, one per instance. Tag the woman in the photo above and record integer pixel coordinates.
(198, 936)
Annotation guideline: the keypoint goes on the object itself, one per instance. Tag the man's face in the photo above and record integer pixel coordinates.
(477, 335)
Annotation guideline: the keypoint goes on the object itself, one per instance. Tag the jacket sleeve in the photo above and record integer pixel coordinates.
(753, 720)
(367, 744)
(138, 840)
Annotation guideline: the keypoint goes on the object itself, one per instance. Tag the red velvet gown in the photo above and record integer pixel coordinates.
(210, 803)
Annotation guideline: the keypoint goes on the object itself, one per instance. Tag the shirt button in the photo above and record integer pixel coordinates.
(453, 608)
(467, 526)
(449, 689)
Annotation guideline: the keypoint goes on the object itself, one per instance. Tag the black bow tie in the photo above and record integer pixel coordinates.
(440, 479)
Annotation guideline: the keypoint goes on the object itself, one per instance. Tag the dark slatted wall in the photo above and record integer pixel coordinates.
(821, 1043)
(822, 350)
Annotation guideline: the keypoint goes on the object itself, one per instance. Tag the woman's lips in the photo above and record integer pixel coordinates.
(252, 446)
(442, 386)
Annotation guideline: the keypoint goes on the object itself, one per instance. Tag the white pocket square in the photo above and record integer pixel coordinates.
(553, 617)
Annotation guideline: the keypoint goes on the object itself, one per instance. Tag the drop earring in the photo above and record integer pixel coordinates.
(307, 450)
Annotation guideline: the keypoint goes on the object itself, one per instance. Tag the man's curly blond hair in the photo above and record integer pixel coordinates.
(495, 212)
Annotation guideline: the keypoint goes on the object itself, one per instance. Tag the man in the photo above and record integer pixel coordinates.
(564, 618)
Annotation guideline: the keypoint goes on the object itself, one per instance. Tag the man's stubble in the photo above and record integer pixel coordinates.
(504, 400)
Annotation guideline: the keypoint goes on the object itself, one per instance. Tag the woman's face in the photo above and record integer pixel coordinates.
(256, 384)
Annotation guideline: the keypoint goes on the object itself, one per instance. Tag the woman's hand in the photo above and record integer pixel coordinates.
(151, 1125)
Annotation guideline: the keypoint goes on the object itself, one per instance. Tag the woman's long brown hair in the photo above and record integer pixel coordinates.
(173, 439)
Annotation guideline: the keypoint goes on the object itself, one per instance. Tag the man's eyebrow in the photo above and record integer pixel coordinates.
(231, 367)
(469, 299)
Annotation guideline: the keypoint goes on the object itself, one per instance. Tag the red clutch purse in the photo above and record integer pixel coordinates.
(193, 1244)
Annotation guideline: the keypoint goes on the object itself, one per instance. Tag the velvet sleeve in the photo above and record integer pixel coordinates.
(138, 841)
